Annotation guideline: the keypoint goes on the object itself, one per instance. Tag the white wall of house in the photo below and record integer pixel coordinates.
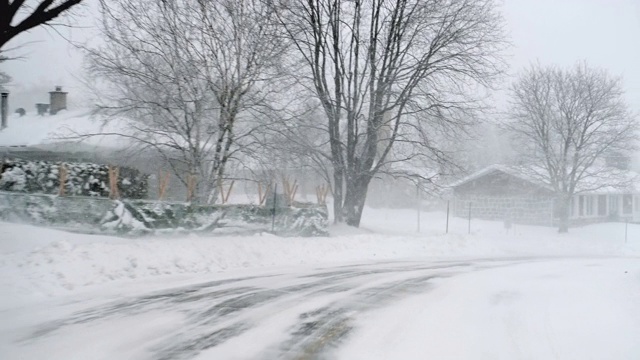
(622, 206)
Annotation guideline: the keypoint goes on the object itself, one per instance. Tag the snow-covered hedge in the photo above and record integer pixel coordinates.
(83, 179)
(137, 217)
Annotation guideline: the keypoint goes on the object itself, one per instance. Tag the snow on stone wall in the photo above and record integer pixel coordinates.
(138, 217)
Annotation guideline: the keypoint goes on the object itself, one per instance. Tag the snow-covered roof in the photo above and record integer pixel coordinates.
(35, 130)
(601, 180)
(520, 172)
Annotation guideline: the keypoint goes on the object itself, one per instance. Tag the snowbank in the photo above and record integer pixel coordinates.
(37, 262)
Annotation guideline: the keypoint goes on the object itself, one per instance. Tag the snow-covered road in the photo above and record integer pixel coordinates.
(521, 308)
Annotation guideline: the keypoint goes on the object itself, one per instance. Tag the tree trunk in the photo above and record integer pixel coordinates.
(196, 197)
(338, 179)
(354, 200)
(563, 214)
(213, 191)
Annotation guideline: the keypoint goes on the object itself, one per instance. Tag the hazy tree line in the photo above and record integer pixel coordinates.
(349, 90)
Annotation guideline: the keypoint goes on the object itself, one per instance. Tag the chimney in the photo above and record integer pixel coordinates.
(57, 100)
(42, 109)
(4, 109)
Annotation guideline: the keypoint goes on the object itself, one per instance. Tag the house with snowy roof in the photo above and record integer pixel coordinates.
(518, 194)
(54, 134)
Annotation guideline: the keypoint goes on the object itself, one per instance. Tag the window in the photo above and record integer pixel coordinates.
(589, 205)
(581, 205)
(613, 205)
(636, 206)
(627, 204)
(572, 207)
(602, 205)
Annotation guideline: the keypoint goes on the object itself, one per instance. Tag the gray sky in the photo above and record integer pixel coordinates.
(604, 32)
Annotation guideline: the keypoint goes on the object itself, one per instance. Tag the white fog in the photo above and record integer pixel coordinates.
(289, 179)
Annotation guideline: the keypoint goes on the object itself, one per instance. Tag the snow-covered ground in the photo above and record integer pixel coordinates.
(558, 309)
(382, 291)
(577, 308)
(38, 262)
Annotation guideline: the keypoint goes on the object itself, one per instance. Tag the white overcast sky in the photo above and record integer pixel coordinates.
(604, 32)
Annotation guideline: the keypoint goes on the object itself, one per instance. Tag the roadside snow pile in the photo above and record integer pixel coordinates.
(52, 262)
(37, 261)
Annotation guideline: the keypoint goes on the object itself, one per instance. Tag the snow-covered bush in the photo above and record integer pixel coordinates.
(139, 217)
(85, 179)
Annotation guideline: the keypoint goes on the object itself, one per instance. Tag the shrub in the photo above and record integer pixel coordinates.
(83, 179)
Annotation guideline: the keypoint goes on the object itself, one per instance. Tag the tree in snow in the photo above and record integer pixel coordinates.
(4, 77)
(566, 122)
(191, 76)
(390, 77)
(18, 16)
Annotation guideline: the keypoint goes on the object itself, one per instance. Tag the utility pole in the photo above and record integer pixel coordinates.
(447, 230)
(626, 226)
(469, 230)
(418, 207)
(273, 211)
(4, 109)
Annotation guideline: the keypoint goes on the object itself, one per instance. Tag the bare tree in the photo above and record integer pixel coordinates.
(18, 16)
(185, 73)
(567, 121)
(4, 77)
(388, 76)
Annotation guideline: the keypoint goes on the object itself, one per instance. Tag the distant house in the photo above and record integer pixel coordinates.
(503, 193)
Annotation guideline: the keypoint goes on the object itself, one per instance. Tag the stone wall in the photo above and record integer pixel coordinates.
(139, 217)
(519, 209)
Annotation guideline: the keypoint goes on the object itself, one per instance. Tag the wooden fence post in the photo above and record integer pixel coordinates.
(225, 196)
(62, 176)
(321, 194)
(191, 187)
(163, 183)
(289, 190)
(262, 195)
(114, 173)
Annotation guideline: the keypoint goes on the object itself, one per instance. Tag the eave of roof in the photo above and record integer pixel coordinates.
(602, 182)
(517, 172)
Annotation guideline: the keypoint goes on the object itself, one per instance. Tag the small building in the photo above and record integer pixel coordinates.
(511, 193)
(57, 100)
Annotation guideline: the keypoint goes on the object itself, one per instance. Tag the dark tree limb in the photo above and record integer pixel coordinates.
(46, 11)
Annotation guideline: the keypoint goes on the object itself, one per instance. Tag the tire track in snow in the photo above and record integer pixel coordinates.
(217, 311)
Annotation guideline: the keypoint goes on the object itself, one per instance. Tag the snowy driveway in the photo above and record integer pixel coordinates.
(549, 308)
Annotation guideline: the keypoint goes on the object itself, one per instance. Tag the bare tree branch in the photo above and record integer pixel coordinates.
(380, 70)
(187, 74)
(42, 13)
(567, 121)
